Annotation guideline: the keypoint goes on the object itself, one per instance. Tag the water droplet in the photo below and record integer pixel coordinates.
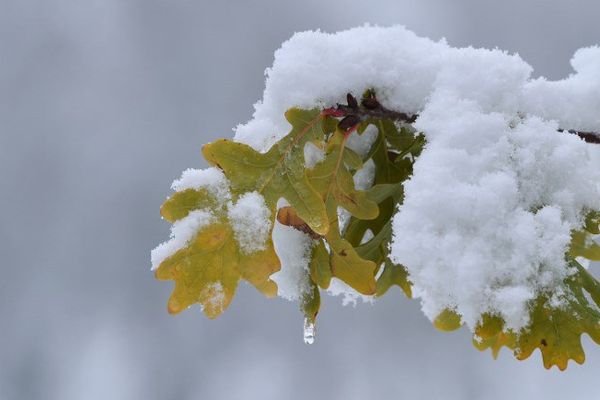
(309, 331)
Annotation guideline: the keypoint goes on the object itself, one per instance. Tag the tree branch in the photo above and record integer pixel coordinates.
(590, 137)
(370, 108)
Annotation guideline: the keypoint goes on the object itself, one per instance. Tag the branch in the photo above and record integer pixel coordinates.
(590, 137)
(370, 108)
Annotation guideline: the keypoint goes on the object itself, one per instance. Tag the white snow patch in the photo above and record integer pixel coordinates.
(364, 177)
(312, 155)
(361, 143)
(487, 215)
(211, 179)
(294, 249)
(250, 220)
(338, 287)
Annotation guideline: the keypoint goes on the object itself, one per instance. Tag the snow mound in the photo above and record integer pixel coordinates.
(487, 216)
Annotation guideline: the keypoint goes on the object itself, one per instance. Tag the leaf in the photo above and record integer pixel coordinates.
(180, 204)
(335, 184)
(393, 274)
(582, 245)
(556, 331)
(311, 303)
(387, 190)
(592, 223)
(320, 267)
(287, 216)
(208, 269)
(332, 179)
(489, 334)
(376, 250)
(278, 173)
(447, 321)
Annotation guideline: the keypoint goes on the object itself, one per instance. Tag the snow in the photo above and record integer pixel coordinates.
(364, 177)
(250, 219)
(294, 249)
(574, 101)
(211, 179)
(496, 191)
(361, 143)
(347, 293)
(182, 232)
(488, 213)
(312, 155)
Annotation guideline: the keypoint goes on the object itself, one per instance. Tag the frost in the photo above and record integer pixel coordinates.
(182, 232)
(251, 223)
(212, 179)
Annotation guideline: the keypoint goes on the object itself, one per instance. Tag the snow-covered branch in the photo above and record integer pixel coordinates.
(354, 113)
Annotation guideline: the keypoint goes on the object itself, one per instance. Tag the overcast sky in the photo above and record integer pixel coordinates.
(103, 103)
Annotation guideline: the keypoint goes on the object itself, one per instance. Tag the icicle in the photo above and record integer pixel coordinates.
(309, 331)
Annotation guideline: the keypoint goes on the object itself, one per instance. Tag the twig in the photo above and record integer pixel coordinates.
(370, 108)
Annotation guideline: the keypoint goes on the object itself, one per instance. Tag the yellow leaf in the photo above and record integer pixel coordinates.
(208, 269)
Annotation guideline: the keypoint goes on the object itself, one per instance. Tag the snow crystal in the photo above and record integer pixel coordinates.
(250, 220)
(211, 179)
(495, 193)
(182, 232)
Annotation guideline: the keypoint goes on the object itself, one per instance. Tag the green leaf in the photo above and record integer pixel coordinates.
(387, 190)
(592, 222)
(311, 303)
(376, 250)
(278, 173)
(320, 268)
(180, 204)
(335, 184)
(582, 245)
(332, 179)
(393, 274)
(345, 263)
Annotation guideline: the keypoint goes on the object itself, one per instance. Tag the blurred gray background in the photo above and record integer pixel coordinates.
(103, 103)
